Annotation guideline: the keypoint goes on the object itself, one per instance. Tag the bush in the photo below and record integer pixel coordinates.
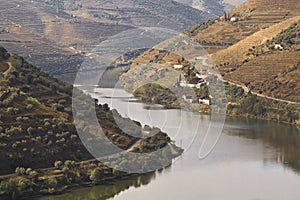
(4, 55)
(96, 176)
(11, 110)
(51, 183)
(20, 171)
(58, 164)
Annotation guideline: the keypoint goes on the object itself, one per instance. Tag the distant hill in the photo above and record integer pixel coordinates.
(56, 35)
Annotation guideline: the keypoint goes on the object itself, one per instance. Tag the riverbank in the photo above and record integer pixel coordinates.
(67, 176)
(239, 103)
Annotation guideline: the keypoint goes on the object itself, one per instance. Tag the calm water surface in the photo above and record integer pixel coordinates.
(253, 160)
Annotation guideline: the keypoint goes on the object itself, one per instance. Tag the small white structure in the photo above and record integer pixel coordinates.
(278, 47)
(178, 66)
(192, 83)
(204, 101)
(184, 83)
(233, 19)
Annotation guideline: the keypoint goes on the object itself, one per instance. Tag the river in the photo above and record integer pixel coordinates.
(253, 159)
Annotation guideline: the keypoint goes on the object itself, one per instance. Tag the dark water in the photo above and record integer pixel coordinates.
(253, 160)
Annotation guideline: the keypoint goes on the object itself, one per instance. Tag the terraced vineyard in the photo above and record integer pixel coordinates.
(251, 17)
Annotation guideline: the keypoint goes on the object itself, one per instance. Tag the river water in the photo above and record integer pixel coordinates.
(253, 160)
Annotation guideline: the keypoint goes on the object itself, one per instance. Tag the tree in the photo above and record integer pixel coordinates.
(116, 173)
(28, 171)
(3, 54)
(58, 164)
(106, 107)
(96, 176)
(8, 188)
(51, 182)
(33, 175)
(20, 170)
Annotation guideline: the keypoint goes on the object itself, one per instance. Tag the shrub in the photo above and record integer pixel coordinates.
(96, 176)
(29, 107)
(58, 164)
(4, 55)
(20, 171)
(28, 171)
(51, 182)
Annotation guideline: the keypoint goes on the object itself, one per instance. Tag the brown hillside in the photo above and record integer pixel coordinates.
(291, 6)
(269, 71)
(252, 16)
(236, 54)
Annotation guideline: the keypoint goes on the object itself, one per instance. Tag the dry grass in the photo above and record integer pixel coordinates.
(236, 54)
(271, 74)
(155, 56)
(291, 6)
(253, 16)
(223, 34)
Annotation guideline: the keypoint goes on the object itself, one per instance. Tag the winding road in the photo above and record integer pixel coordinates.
(247, 90)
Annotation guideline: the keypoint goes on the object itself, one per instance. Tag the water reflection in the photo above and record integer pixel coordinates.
(107, 191)
(283, 137)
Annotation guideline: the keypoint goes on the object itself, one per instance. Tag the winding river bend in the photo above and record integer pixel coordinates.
(253, 160)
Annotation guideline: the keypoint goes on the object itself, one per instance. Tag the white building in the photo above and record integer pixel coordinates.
(233, 19)
(204, 101)
(178, 66)
(278, 46)
(184, 83)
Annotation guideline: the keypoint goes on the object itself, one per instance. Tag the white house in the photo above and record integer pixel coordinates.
(184, 83)
(192, 82)
(204, 101)
(278, 46)
(233, 19)
(178, 66)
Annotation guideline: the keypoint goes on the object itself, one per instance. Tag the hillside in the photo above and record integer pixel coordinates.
(250, 17)
(244, 50)
(57, 36)
(37, 129)
(261, 81)
(268, 71)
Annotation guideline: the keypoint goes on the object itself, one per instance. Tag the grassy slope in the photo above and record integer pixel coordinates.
(37, 129)
(36, 124)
